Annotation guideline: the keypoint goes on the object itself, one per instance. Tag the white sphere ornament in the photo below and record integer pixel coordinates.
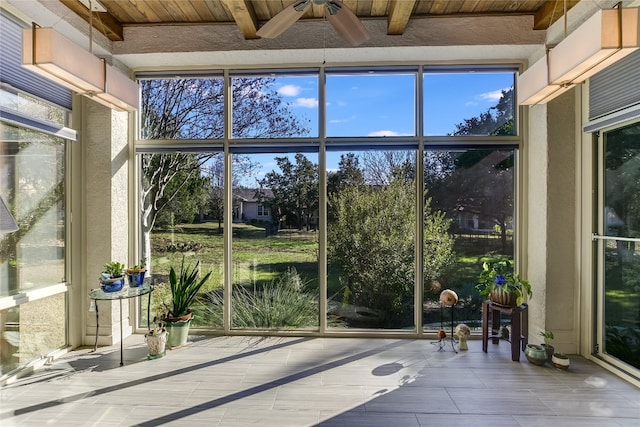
(448, 297)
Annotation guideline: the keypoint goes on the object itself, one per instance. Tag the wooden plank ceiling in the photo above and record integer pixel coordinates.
(249, 15)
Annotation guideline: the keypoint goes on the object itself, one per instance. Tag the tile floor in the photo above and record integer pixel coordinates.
(246, 381)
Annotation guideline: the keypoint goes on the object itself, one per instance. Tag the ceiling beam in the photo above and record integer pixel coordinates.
(399, 14)
(550, 12)
(245, 17)
(102, 21)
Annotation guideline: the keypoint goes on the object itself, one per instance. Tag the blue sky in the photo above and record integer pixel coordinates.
(383, 104)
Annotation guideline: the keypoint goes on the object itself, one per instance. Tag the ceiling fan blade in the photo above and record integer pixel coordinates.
(283, 20)
(346, 23)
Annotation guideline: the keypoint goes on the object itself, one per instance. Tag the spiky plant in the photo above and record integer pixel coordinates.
(184, 288)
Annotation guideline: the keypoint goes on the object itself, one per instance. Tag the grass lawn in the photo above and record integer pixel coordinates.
(259, 259)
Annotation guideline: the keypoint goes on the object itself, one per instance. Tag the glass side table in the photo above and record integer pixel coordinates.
(125, 293)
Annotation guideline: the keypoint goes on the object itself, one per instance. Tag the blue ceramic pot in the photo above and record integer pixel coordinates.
(112, 285)
(136, 279)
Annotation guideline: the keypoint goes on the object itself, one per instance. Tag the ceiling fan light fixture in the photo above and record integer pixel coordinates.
(341, 18)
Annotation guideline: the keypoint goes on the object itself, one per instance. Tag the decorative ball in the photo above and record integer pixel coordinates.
(448, 297)
(442, 334)
(462, 330)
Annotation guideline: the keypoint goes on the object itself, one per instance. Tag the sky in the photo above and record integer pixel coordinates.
(383, 104)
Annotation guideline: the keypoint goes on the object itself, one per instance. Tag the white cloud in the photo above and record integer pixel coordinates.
(343, 120)
(383, 133)
(306, 102)
(289, 90)
(470, 104)
(493, 96)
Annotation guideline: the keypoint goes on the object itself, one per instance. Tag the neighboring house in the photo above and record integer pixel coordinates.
(468, 222)
(247, 207)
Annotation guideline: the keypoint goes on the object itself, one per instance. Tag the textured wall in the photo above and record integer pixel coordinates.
(104, 133)
(551, 211)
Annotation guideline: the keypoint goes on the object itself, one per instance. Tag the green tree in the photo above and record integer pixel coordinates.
(349, 174)
(294, 190)
(372, 240)
(497, 120)
(478, 182)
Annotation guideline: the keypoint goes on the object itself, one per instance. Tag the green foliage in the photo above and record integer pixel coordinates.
(185, 195)
(547, 336)
(497, 120)
(623, 343)
(372, 240)
(114, 269)
(184, 288)
(138, 267)
(500, 274)
(348, 174)
(294, 190)
(283, 304)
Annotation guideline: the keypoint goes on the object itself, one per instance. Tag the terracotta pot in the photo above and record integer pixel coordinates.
(508, 299)
(180, 318)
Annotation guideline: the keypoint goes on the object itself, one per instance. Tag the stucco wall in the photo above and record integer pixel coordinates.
(551, 209)
(104, 133)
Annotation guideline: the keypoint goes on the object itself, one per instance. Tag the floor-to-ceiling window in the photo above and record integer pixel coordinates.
(348, 197)
(33, 307)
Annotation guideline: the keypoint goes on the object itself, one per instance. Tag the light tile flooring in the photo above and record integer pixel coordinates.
(246, 381)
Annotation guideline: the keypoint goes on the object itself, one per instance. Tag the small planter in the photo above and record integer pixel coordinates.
(136, 277)
(112, 285)
(507, 299)
(560, 361)
(536, 354)
(156, 344)
(549, 349)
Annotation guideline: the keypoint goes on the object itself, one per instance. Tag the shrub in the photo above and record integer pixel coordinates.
(282, 303)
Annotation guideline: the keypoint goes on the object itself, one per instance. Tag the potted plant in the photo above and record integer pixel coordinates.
(498, 282)
(184, 289)
(156, 339)
(560, 360)
(548, 337)
(136, 273)
(535, 354)
(112, 277)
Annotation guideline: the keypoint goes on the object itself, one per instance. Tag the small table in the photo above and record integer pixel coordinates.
(98, 294)
(519, 327)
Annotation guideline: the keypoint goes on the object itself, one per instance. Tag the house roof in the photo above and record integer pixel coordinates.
(249, 194)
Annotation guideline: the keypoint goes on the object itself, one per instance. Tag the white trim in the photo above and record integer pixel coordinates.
(32, 295)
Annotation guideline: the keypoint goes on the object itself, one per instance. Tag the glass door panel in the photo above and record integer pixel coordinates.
(619, 248)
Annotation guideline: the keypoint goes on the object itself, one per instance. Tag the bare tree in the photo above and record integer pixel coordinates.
(380, 167)
(193, 109)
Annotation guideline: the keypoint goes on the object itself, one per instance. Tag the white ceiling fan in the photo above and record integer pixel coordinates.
(343, 20)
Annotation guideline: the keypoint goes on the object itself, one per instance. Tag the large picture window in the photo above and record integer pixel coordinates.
(339, 215)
